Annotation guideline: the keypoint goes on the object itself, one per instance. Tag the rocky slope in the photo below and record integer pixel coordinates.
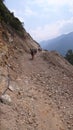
(40, 91)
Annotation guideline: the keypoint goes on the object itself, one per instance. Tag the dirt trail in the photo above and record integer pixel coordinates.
(32, 108)
(42, 113)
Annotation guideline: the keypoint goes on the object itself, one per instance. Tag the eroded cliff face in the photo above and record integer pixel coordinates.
(12, 45)
(9, 36)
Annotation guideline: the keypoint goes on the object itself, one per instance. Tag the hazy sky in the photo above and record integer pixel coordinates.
(44, 19)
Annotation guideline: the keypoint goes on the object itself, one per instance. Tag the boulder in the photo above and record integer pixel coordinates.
(6, 99)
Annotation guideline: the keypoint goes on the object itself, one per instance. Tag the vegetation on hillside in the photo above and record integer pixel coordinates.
(9, 18)
(69, 56)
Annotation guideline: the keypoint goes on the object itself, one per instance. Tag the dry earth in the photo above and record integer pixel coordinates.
(44, 100)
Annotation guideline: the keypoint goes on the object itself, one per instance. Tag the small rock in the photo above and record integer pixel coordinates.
(26, 82)
(5, 99)
(71, 116)
(44, 82)
(69, 127)
(13, 86)
(50, 94)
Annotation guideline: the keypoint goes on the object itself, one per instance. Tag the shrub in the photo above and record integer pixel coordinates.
(69, 56)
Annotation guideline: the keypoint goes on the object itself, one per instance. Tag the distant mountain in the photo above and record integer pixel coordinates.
(61, 44)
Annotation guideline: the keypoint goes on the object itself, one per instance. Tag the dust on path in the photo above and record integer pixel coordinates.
(31, 109)
(42, 114)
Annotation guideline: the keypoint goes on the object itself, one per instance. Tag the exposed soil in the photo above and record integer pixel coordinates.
(44, 100)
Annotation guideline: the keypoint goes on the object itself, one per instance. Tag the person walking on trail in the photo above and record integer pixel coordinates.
(33, 52)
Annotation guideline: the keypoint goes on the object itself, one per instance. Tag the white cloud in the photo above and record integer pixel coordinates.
(54, 2)
(46, 32)
(29, 12)
(51, 30)
(49, 18)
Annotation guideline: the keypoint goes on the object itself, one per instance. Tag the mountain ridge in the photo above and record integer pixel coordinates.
(61, 44)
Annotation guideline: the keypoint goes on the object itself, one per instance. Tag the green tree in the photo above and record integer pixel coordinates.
(69, 56)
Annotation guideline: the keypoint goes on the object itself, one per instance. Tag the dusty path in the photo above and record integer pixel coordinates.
(42, 114)
(33, 107)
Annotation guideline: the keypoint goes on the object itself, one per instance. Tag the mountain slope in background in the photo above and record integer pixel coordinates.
(61, 44)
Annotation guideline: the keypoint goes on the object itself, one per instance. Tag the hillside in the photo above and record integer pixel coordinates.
(41, 93)
(61, 44)
(12, 31)
(34, 94)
